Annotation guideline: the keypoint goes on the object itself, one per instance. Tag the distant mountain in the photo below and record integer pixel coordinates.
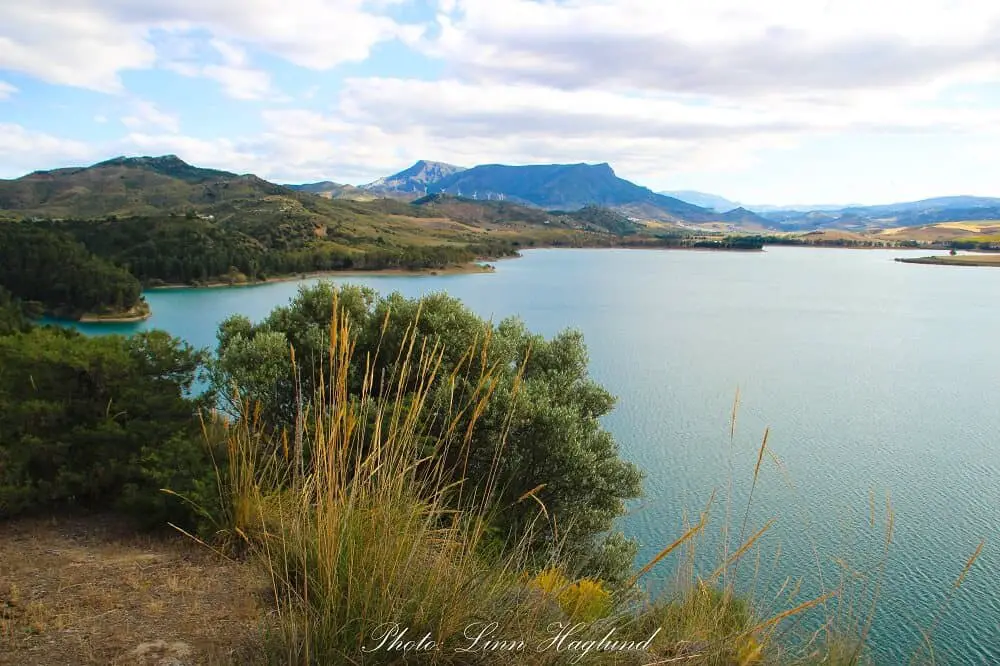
(415, 180)
(767, 208)
(703, 199)
(567, 187)
(502, 213)
(904, 214)
(928, 205)
(330, 190)
(746, 218)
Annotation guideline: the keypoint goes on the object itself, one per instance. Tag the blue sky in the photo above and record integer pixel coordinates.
(859, 101)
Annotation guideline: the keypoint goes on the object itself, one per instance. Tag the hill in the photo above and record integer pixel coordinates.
(331, 190)
(128, 186)
(499, 214)
(747, 219)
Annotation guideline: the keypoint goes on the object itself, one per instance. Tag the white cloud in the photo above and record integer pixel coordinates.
(72, 45)
(241, 83)
(382, 124)
(721, 47)
(6, 90)
(238, 79)
(232, 55)
(88, 43)
(146, 114)
(23, 150)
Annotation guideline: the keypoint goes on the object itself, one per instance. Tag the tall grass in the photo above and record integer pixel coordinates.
(375, 554)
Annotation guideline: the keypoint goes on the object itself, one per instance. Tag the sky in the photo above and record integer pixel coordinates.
(769, 102)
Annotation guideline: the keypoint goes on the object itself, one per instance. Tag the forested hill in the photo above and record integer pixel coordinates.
(67, 280)
(129, 186)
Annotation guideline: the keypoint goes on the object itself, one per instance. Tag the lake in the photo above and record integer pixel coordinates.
(874, 377)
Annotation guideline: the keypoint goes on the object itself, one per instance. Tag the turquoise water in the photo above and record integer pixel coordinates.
(875, 377)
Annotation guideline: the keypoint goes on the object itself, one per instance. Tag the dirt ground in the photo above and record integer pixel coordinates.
(86, 590)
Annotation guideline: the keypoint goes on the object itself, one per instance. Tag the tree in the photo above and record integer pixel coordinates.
(53, 269)
(555, 447)
(103, 421)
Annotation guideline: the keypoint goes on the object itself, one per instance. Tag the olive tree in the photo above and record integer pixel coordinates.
(544, 409)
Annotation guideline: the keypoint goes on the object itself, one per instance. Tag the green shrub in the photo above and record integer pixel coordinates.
(100, 422)
(556, 451)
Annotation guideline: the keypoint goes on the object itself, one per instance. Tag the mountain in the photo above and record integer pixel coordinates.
(904, 214)
(128, 186)
(767, 208)
(567, 187)
(415, 180)
(505, 213)
(703, 199)
(741, 217)
(331, 190)
(929, 205)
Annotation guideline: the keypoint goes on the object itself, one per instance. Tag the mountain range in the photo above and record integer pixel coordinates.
(151, 185)
(572, 186)
(565, 187)
(856, 216)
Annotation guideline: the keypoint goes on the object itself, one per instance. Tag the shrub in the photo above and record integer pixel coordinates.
(100, 422)
(543, 406)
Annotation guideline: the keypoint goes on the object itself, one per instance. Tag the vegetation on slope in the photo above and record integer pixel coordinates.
(100, 422)
(58, 272)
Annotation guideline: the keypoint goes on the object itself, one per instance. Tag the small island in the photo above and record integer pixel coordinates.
(955, 260)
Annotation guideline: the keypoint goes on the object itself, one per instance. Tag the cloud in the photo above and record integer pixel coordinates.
(67, 45)
(146, 114)
(88, 43)
(384, 123)
(720, 48)
(238, 79)
(6, 90)
(23, 150)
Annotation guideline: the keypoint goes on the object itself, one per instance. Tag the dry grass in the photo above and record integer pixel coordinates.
(88, 590)
(941, 232)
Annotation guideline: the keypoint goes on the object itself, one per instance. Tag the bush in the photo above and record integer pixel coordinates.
(100, 422)
(543, 406)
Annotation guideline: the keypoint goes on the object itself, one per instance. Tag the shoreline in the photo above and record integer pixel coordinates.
(110, 319)
(817, 246)
(462, 269)
(956, 260)
(140, 312)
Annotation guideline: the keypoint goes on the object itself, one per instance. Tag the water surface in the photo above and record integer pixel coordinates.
(875, 377)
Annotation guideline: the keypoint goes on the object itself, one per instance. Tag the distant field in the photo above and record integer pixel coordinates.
(984, 230)
(833, 234)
